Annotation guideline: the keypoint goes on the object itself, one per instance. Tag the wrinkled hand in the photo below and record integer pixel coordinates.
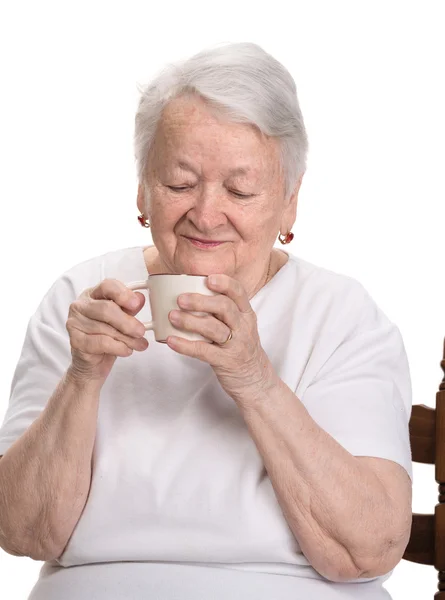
(241, 365)
(102, 326)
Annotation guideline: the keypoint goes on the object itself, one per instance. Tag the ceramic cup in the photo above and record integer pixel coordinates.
(163, 291)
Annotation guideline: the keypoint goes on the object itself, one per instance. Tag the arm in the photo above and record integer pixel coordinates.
(350, 514)
(347, 524)
(45, 476)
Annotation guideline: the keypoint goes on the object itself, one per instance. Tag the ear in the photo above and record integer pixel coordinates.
(141, 199)
(290, 212)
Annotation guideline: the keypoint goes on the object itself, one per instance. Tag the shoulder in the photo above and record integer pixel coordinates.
(339, 300)
(332, 285)
(117, 264)
(111, 264)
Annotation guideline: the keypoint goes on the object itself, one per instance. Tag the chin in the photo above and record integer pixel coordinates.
(203, 266)
(204, 269)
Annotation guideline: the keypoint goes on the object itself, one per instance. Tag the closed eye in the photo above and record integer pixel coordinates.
(181, 189)
(241, 195)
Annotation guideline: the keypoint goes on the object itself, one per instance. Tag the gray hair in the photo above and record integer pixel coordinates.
(239, 81)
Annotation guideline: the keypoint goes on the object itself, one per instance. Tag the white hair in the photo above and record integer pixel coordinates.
(239, 81)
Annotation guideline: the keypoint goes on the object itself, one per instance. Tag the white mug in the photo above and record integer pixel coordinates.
(163, 291)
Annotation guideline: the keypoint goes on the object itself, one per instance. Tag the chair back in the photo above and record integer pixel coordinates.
(427, 434)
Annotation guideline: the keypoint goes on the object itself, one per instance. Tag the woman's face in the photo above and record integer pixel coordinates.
(196, 152)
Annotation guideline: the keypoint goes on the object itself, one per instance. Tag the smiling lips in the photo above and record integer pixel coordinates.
(204, 243)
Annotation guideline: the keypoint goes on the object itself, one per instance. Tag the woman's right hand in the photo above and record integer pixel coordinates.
(102, 326)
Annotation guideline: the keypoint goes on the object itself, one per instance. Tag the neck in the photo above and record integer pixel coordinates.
(266, 279)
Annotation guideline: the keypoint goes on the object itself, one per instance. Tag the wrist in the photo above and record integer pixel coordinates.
(264, 380)
(82, 380)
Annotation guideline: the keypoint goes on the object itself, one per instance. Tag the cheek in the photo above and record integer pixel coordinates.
(253, 222)
(166, 212)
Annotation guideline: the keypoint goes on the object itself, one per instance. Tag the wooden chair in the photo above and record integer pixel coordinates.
(427, 434)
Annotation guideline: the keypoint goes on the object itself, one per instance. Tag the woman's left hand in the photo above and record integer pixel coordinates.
(241, 365)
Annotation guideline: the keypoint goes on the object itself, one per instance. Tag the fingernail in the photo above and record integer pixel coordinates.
(184, 300)
(134, 302)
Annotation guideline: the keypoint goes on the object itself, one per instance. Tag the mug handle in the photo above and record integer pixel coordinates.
(141, 285)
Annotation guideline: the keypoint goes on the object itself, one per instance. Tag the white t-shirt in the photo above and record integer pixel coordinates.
(180, 504)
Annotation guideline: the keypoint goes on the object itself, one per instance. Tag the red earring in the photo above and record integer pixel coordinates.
(287, 238)
(143, 220)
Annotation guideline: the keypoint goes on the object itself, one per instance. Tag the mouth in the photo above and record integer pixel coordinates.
(203, 243)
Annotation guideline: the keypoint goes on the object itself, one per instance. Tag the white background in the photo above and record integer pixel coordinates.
(370, 78)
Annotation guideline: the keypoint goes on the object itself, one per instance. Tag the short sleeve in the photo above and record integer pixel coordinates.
(362, 395)
(44, 358)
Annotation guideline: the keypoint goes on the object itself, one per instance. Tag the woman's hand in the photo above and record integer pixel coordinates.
(102, 326)
(241, 365)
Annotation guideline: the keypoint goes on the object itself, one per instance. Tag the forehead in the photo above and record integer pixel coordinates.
(189, 132)
(186, 165)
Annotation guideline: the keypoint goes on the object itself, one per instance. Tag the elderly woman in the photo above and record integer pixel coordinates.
(273, 462)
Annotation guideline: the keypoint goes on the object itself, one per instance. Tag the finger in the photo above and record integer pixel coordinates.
(107, 311)
(133, 312)
(231, 288)
(113, 289)
(98, 344)
(209, 327)
(93, 327)
(221, 306)
(195, 349)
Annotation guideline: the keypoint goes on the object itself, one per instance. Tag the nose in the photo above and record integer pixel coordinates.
(207, 213)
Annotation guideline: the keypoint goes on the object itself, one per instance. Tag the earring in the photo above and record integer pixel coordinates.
(143, 220)
(287, 238)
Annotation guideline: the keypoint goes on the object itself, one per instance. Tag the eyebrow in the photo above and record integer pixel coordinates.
(237, 171)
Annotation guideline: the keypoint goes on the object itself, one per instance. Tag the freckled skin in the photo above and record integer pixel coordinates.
(209, 209)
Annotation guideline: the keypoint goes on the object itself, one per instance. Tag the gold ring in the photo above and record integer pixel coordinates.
(228, 339)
